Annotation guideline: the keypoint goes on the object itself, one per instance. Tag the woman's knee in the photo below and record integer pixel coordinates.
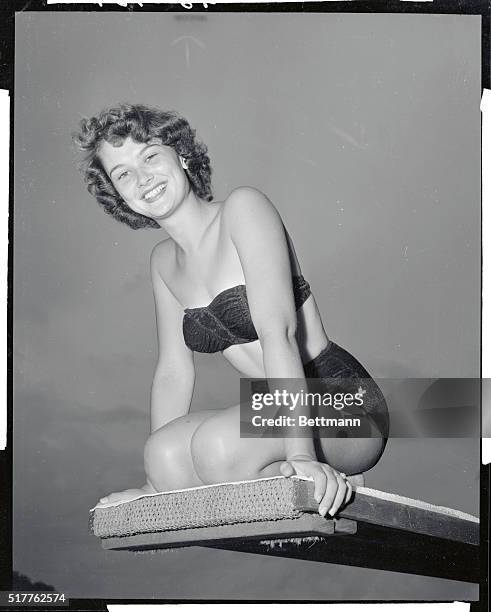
(166, 457)
(213, 450)
(159, 450)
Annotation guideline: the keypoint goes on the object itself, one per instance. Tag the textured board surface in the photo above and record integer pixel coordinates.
(224, 504)
(274, 499)
(306, 525)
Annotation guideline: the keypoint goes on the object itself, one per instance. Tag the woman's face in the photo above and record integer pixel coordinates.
(148, 176)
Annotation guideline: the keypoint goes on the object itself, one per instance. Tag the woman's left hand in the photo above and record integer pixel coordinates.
(331, 489)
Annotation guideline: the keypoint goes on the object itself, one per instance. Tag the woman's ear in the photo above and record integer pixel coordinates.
(183, 162)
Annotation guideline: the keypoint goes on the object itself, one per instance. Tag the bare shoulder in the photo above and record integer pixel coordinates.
(162, 254)
(248, 204)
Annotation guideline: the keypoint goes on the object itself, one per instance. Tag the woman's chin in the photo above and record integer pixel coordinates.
(155, 211)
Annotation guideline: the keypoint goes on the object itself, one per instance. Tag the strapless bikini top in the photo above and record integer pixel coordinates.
(227, 319)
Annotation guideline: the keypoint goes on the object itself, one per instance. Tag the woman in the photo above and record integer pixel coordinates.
(147, 169)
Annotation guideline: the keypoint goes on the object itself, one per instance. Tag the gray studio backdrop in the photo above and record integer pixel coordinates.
(364, 130)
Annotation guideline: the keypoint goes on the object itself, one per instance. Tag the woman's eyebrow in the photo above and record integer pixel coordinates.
(140, 153)
(115, 168)
(152, 144)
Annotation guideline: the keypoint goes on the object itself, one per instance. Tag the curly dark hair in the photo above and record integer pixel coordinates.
(141, 123)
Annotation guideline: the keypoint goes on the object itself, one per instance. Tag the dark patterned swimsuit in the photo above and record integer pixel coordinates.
(227, 321)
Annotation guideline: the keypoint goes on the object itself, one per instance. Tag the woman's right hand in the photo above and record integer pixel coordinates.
(332, 489)
(125, 496)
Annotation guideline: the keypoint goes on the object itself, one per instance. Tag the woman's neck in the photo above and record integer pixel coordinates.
(188, 224)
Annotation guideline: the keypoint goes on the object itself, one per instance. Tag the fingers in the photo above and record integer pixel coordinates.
(349, 488)
(330, 492)
(349, 492)
(331, 488)
(340, 495)
(320, 485)
(337, 493)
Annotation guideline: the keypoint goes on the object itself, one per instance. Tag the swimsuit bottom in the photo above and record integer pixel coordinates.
(343, 373)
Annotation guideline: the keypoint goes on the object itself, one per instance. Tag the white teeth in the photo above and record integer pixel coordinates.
(154, 192)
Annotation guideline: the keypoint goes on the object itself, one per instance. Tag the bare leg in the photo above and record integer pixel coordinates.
(168, 461)
(219, 454)
(205, 447)
(167, 455)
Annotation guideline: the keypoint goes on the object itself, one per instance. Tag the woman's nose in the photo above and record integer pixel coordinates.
(144, 177)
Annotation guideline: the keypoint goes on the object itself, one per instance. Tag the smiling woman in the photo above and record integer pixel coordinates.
(143, 125)
(147, 176)
(226, 279)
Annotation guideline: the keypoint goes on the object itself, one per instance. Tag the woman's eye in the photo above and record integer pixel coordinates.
(123, 175)
(151, 156)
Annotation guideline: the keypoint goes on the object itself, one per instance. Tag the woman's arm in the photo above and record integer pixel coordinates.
(259, 236)
(173, 381)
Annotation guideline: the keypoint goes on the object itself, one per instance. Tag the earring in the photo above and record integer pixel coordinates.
(184, 163)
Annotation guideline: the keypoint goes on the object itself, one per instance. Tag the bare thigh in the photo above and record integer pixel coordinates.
(168, 460)
(205, 447)
(219, 454)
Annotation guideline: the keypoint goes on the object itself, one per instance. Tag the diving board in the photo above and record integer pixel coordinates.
(278, 516)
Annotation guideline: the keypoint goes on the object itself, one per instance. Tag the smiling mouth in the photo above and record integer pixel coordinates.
(154, 193)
